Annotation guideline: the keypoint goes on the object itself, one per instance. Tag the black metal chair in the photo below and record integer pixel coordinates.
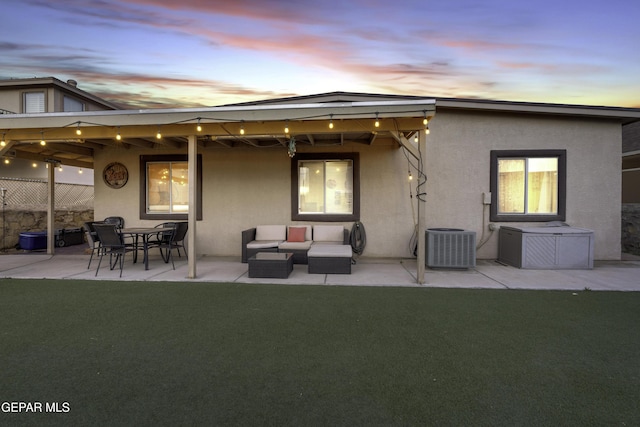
(165, 241)
(177, 240)
(118, 221)
(179, 236)
(92, 239)
(111, 243)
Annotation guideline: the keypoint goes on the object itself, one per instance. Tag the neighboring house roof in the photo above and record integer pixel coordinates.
(67, 87)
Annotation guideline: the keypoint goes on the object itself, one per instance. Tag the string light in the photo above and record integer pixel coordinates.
(6, 161)
(34, 165)
(242, 131)
(80, 171)
(410, 176)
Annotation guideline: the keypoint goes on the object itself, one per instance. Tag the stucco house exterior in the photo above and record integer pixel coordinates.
(396, 164)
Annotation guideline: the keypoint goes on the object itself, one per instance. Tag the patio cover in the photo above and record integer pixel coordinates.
(73, 138)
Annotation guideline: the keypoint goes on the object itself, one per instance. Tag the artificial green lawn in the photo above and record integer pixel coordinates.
(129, 353)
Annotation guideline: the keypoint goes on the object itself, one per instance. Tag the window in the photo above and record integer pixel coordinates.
(528, 185)
(33, 102)
(165, 187)
(71, 104)
(325, 187)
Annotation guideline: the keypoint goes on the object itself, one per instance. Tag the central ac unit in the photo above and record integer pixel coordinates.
(450, 248)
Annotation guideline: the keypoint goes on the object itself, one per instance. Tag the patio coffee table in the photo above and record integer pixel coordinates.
(271, 265)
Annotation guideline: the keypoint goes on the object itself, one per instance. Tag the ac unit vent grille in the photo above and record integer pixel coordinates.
(451, 248)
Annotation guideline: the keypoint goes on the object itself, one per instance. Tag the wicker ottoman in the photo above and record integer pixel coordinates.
(330, 259)
(271, 265)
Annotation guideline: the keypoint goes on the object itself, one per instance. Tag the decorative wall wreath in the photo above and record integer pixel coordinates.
(115, 175)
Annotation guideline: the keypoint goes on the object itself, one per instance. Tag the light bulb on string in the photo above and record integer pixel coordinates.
(78, 130)
(118, 136)
(377, 122)
(199, 128)
(331, 121)
(158, 135)
(42, 141)
(3, 142)
(425, 121)
(286, 126)
(242, 129)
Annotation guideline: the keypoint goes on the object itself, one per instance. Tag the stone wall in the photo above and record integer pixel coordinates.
(631, 228)
(20, 220)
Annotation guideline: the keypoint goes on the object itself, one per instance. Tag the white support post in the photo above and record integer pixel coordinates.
(51, 212)
(421, 259)
(193, 204)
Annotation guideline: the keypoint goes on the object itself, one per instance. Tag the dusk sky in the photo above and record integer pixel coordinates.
(187, 53)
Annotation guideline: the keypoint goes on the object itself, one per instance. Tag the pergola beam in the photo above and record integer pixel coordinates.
(406, 144)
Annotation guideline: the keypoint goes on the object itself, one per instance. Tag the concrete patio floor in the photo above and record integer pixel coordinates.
(71, 264)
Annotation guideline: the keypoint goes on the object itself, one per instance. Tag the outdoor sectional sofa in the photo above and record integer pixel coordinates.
(330, 241)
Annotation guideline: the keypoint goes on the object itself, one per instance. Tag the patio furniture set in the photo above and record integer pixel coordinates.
(271, 250)
(109, 237)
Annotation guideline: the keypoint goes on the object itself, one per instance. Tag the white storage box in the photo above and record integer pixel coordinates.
(546, 247)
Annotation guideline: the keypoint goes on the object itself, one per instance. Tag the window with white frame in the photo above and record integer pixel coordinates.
(33, 102)
(325, 187)
(165, 187)
(528, 185)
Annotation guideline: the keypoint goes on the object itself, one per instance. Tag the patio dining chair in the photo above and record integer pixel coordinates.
(117, 220)
(111, 243)
(92, 239)
(179, 235)
(165, 241)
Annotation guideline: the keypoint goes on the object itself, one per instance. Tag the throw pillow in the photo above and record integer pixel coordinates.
(296, 234)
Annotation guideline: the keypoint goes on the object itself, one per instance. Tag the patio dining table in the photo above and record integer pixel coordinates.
(145, 233)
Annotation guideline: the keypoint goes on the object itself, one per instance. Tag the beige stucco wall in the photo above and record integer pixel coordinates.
(243, 187)
(458, 163)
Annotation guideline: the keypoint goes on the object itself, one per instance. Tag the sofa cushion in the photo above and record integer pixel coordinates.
(296, 234)
(330, 251)
(263, 244)
(271, 232)
(328, 233)
(284, 246)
